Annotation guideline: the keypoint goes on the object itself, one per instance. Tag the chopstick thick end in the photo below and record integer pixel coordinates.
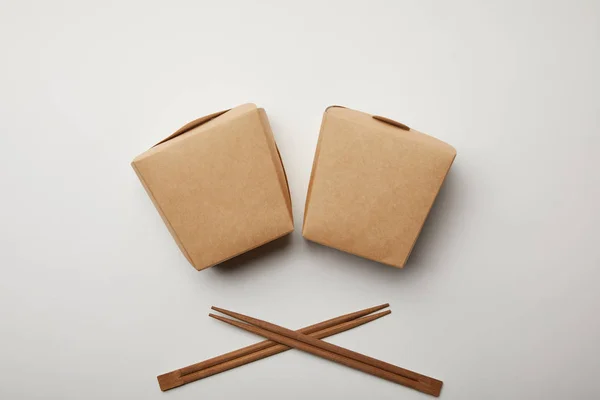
(170, 380)
(431, 386)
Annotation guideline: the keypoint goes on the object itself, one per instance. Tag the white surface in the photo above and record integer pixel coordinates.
(500, 298)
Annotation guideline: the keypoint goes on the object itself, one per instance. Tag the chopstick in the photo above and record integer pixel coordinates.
(332, 352)
(264, 349)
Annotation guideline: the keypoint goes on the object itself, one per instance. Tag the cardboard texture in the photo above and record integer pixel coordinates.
(372, 185)
(219, 185)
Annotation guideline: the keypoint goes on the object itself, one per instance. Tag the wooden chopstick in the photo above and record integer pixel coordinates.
(332, 352)
(255, 352)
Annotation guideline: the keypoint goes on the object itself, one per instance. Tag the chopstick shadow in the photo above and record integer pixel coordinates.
(437, 225)
(253, 257)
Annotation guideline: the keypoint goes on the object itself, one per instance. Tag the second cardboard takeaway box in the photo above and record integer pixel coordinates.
(220, 186)
(372, 185)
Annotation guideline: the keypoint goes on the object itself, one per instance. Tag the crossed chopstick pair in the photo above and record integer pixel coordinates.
(307, 339)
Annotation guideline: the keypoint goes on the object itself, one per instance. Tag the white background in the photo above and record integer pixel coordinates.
(500, 298)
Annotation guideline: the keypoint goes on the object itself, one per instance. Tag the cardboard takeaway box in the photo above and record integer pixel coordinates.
(219, 185)
(372, 185)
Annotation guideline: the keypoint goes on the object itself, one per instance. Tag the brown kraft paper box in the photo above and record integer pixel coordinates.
(372, 185)
(219, 185)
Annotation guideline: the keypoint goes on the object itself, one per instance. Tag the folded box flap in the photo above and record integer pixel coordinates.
(191, 125)
(334, 106)
(369, 122)
(391, 122)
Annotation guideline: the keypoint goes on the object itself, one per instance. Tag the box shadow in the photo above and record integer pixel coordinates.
(254, 257)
